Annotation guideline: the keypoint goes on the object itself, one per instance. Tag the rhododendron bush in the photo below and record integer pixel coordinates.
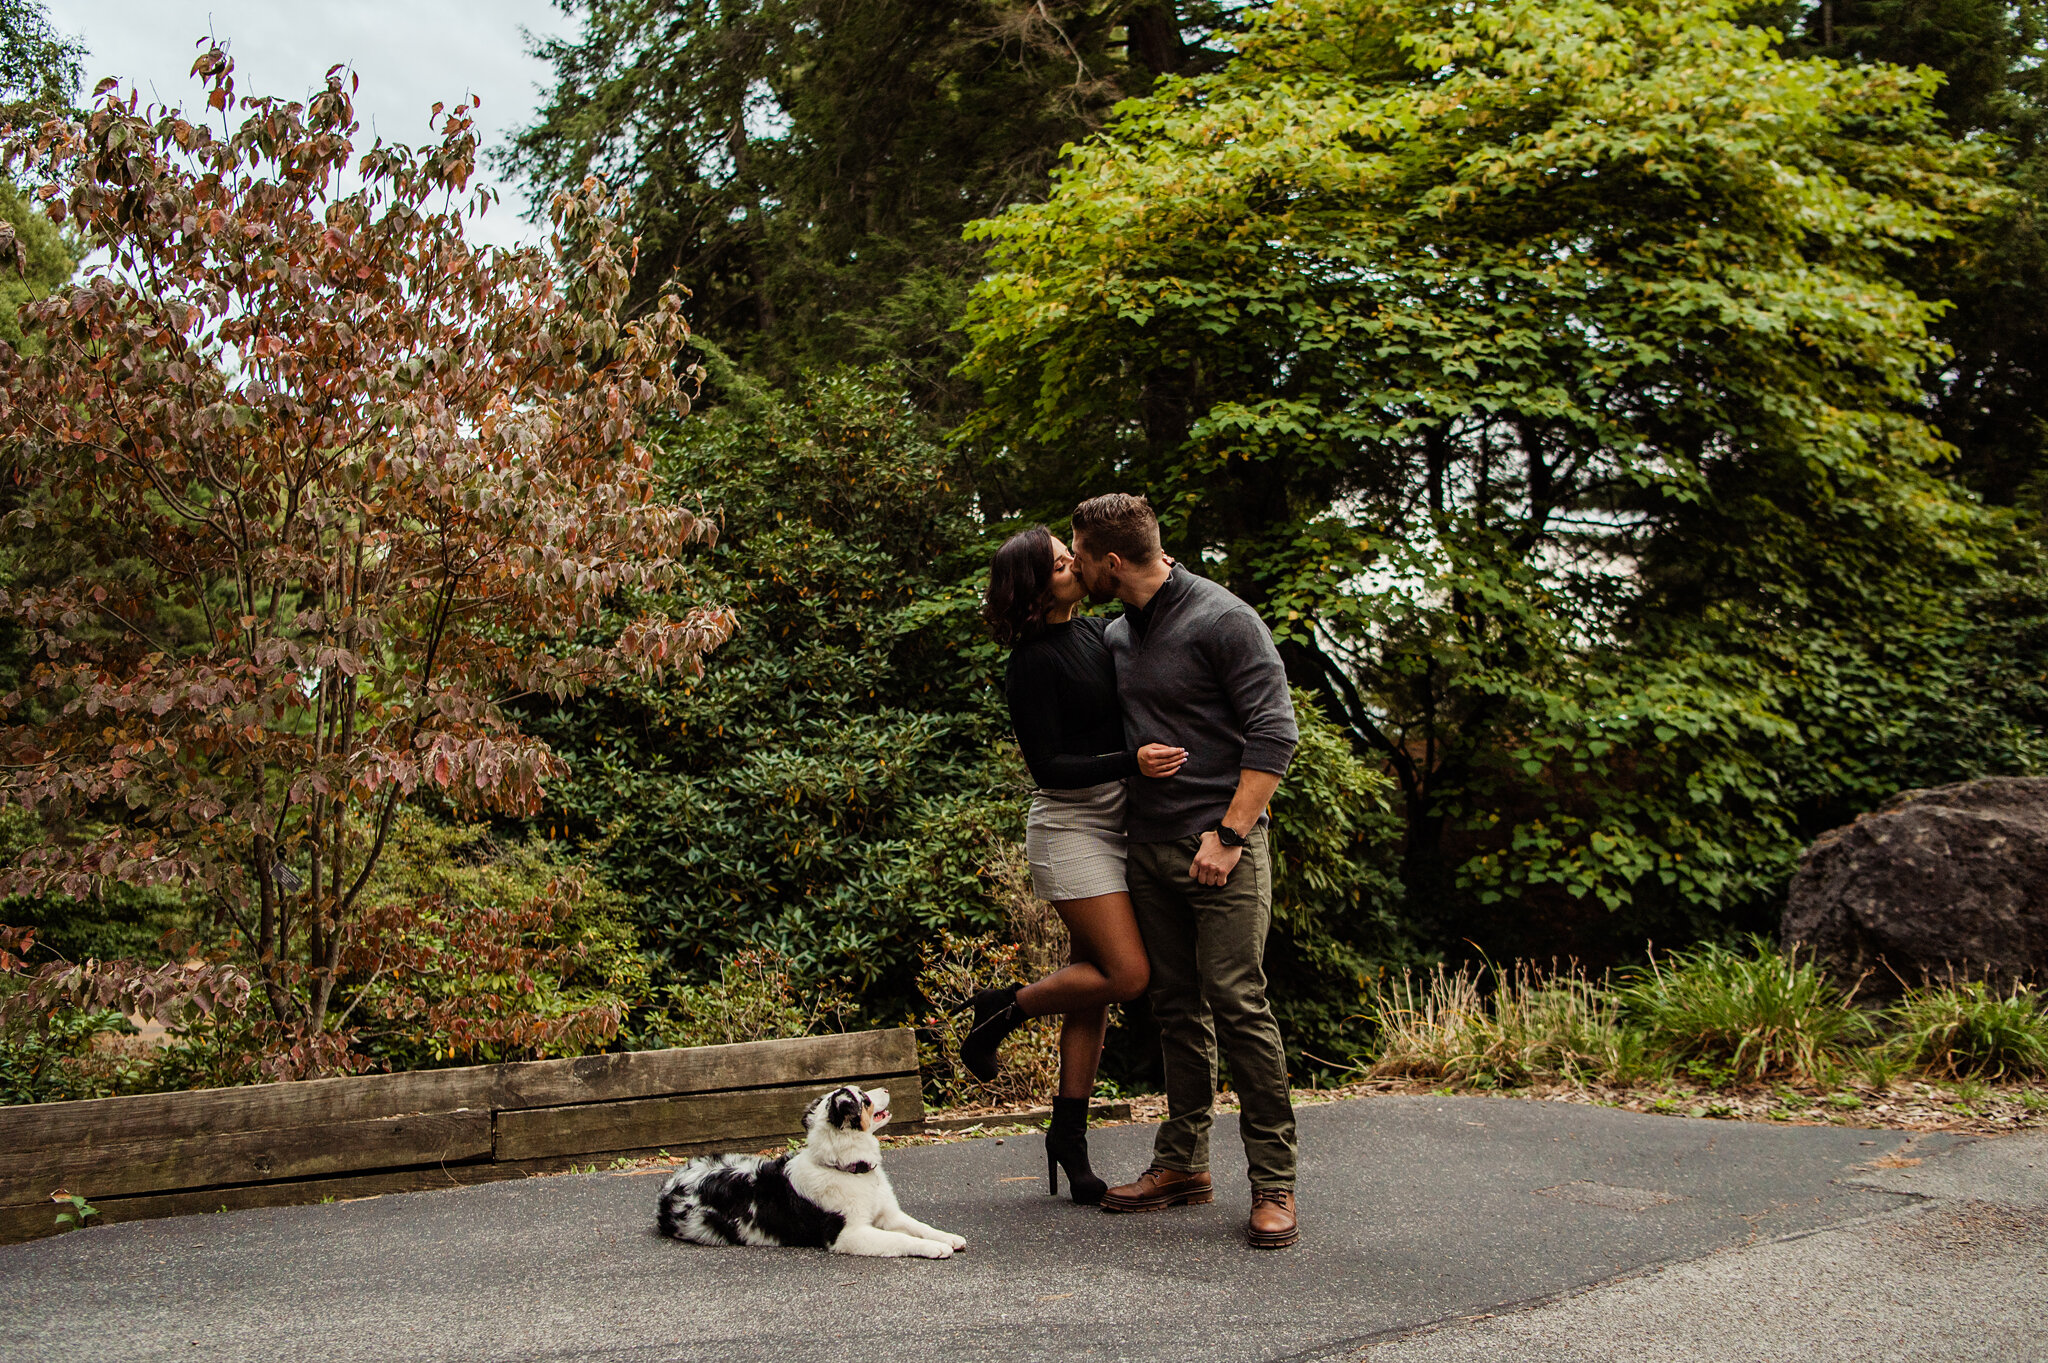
(317, 490)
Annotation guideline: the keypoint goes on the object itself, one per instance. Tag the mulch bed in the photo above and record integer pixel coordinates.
(1901, 1107)
(1989, 1111)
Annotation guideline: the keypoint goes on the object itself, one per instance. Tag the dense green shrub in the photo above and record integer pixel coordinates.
(841, 787)
(1965, 1031)
(477, 949)
(57, 1061)
(835, 786)
(1754, 1012)
(1336, 898)
(753, 999)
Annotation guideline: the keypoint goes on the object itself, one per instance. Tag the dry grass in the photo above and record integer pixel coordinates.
(1526, 1026)
(1724, 1016)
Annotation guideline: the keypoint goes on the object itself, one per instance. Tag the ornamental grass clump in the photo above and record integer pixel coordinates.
(1436, 1028)
(1759, 1013)
(1964, 1031)
(1527, 1026)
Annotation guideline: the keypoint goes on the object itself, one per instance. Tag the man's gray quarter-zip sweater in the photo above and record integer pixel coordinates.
(1196, 668)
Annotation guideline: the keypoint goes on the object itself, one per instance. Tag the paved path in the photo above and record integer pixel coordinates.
(1960, 1274)
(1419, 1213)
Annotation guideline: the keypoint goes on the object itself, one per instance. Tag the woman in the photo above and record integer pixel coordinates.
(1063, 705)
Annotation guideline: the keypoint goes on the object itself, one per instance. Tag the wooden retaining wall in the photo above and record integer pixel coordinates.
(267, 1145)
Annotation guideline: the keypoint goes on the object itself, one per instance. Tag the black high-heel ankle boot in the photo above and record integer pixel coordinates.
(996, 1015)
(1066, 1146)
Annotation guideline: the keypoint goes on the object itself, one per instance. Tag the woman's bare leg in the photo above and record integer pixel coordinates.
(1108, 967)
(1081, 1035)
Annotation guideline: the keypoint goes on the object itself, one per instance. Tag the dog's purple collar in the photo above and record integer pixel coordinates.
(859, 1166)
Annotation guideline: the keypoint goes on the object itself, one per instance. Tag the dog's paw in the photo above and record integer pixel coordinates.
(952, 1241)
(932, 1249)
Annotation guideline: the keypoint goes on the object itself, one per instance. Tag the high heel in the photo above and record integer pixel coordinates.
(996, 1015)
(1066, 1146)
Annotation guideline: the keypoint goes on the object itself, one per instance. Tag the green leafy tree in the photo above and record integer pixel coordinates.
(1987, 395)
(1542, 372)
(805, 168)
(39, 66)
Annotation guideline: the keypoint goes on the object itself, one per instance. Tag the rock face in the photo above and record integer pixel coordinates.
(1949, 879)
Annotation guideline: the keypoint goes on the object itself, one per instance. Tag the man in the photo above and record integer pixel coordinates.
(1196, 668)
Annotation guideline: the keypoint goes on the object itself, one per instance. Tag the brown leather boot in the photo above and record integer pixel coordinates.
(1157, 1188)
(1273, 1224)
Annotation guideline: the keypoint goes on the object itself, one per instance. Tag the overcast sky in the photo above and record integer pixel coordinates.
(409, 54)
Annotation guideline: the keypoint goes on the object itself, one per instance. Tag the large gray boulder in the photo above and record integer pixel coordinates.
(1953, 879)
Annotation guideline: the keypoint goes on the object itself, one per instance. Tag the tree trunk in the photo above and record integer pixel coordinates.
(267, 934)
(1155, 42)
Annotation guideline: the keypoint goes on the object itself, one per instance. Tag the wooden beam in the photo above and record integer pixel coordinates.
(529, 1084)
(705, 1069)
(37, 1220)
(111, 1169)
(275, 1144)
(684, 1119)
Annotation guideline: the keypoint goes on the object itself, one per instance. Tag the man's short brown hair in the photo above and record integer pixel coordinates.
(1118, 523)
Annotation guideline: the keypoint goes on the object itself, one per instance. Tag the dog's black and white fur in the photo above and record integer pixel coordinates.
(832, 1194)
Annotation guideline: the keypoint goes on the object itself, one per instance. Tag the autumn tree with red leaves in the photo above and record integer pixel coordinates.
(320, 489)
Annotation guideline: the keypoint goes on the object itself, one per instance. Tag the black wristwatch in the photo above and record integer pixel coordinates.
(1230, 837)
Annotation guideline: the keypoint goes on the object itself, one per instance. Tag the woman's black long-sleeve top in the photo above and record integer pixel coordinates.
(1062, 693)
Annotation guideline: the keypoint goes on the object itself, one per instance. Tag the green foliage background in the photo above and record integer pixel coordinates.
(841, 786)
(1547, 375)
(1630, 420)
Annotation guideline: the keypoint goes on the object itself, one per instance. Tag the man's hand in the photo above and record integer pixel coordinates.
(1158, 760)
(1213, 861)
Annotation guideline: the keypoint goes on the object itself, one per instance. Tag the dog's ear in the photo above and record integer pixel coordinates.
(844, 1108)
(817, 1106)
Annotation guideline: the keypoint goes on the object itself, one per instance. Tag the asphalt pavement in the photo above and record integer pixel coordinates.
(1957, 1275)
(1430, 1225)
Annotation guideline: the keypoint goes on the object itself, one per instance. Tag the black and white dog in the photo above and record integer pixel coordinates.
(832, 1194)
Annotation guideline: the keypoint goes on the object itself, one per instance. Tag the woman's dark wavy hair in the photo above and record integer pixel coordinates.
(1018, 577)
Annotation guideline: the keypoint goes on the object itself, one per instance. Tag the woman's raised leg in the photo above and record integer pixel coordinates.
(1108, 967)
(1108, 960)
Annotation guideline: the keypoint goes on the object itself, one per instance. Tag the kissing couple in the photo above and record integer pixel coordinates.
(1156, 741)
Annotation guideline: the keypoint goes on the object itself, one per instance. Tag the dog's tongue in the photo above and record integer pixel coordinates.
(883, 1115)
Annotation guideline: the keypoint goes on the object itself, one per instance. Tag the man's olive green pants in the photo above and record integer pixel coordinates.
(1207, 944)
